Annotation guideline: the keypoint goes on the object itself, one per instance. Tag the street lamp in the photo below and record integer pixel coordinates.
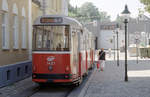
(114, 45)
(126, 14)
(117, 31)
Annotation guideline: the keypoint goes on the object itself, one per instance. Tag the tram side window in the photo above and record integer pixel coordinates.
(39, 38)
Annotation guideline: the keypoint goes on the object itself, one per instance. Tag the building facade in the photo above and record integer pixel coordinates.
(14, 45)
(56, 7)
(13, 31)
(105, 34)
(108, 35)
(139, 28)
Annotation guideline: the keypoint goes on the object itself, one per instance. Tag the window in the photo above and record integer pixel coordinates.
(18, 71)
(53, 38)
(15, 26)
(23, 29)
(15, 31)
(8, 74)
(5, 37)
(26, 69)
(24, 33)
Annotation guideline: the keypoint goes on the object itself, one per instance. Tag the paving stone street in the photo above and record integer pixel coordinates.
(110, 82)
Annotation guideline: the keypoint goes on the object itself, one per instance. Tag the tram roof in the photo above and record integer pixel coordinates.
(65, 21)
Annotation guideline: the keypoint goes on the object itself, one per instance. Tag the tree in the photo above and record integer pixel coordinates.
(72, 11)
(87, 13)
(147, 4)
(104, 16)
(90, 11)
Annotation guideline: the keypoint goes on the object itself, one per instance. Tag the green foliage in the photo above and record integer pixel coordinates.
(87, 13)
(147, 4)
(89, 10)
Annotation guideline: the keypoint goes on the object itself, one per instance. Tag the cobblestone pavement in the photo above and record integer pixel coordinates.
(110, 82)
(17, 88)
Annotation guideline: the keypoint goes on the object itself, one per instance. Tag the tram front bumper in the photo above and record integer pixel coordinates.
(52, 78)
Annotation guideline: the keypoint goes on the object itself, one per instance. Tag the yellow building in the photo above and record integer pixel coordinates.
(14, 44)
(57, 7)
(13, 31)
(36, 9)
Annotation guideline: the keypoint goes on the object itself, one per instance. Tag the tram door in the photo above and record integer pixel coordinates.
(75, 58)
(79, 54)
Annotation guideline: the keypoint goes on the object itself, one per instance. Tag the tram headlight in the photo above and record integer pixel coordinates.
(67, 69)
(34, 68)
(50, 68)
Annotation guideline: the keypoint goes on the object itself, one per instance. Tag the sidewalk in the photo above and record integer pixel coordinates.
(110, 82)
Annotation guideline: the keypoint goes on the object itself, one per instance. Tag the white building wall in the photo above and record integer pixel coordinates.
(106, 36)
(106, 40)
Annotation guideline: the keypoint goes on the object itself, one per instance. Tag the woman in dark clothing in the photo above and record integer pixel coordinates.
(102, 59)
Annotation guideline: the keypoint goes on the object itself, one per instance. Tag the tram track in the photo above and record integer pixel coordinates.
(53, 90)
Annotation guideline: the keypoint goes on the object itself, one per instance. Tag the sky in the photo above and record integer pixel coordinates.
(113, 7)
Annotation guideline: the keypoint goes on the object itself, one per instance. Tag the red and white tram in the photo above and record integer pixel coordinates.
(63, 50)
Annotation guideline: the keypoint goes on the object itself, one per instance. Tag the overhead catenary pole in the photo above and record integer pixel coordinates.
(114, 48)
(117, 50)
(117, 32)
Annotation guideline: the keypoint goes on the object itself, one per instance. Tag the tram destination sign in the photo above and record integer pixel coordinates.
(51, 20)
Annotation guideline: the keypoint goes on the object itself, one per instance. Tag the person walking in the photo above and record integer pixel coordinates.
(102, 59)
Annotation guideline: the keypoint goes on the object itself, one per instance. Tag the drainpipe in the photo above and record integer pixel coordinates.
(44, 7)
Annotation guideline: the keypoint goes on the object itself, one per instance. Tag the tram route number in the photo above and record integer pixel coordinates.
(51, 63)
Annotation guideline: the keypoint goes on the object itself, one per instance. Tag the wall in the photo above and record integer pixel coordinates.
(11, 55)
(36, 11)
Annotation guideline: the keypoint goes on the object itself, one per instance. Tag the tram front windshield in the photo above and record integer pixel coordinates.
(51, 38)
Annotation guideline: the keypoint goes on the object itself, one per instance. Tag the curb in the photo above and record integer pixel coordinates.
(85, 88)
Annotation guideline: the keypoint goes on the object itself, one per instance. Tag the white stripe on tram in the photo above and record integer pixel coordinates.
(46, 52)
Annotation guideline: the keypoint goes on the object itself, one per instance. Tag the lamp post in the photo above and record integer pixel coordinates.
(126, 14)
(114, 47)
(117, 31)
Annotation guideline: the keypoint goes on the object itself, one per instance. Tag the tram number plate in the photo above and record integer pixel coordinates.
(51, 63)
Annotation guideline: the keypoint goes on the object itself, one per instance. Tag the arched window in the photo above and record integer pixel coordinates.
(5, 30)
(24, 45)
(15, 26)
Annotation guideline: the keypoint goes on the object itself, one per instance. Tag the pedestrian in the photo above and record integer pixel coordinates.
(102, 59)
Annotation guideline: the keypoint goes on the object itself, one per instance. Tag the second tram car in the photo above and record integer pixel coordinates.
(63, 50)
